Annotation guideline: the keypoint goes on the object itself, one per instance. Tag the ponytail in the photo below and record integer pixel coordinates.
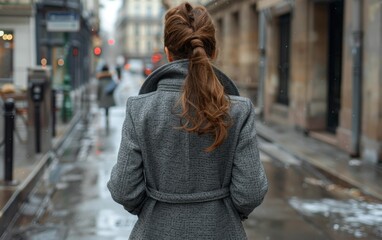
(205, 106)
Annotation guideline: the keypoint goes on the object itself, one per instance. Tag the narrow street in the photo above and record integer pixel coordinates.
(311, 68)
(72, 200)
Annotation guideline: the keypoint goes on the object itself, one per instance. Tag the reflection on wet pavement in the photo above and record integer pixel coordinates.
(41, 232)
(303, 204)
(95, 215)
(351, 216)
(81, 206)
(108, 222)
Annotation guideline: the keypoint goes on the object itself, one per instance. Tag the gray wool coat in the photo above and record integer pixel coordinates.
(164, 176)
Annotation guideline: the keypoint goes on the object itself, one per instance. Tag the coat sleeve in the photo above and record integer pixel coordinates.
(249, 183)
(127, 182)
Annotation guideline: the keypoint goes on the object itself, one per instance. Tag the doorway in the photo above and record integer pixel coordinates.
(284, 58)
(335, 30)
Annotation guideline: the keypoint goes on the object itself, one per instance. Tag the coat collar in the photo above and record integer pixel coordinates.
(171, 76)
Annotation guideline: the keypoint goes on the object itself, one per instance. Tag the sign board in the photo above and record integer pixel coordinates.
(62, 22)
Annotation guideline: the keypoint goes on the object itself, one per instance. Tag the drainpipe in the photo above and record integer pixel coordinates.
(357, 9)
(262, 62)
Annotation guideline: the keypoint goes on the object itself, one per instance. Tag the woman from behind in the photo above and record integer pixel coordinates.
(188, 163)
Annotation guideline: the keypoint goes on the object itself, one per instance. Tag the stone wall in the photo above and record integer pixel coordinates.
(237, 35)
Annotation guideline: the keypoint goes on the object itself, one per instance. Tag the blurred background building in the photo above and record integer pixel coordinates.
(17, 41)
(27, 41)
(172, 3)
(56, 36)
(60, 43)
(138, 28)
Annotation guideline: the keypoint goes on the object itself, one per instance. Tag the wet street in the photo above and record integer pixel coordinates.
(311, 68)
(72, 200)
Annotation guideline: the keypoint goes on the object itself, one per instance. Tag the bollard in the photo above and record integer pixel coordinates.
(37, 91)
(9, 125)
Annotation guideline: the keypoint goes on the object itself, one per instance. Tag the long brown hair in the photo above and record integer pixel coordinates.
(190, 34)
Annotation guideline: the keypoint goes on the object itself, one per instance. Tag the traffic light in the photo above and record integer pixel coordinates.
(97, 51)
(111, 41)
(156, 57)
(75, 51)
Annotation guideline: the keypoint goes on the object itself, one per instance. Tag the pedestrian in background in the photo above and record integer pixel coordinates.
(188, 163)
(106, 87)
(118, 70)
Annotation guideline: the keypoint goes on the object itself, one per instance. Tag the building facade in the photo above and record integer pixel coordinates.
(138, 28)
(66, 49)
(315, 65)
(26, 41)
(172, 3)
(237, 37)
(17, 41)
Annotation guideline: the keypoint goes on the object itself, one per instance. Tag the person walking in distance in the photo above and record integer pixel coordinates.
(188, 163)
(106, 85)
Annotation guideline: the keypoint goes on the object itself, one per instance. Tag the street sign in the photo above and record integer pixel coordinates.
(62, 22)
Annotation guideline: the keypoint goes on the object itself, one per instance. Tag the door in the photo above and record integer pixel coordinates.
(335, 63)
(284, 56)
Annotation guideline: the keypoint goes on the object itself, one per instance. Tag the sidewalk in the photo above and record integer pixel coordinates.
(27, 169)
(366, 177)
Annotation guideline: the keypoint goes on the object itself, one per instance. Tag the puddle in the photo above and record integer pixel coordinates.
(41, 232)
(72, 178)
(109, 222)
(360, 219)
(109, 219)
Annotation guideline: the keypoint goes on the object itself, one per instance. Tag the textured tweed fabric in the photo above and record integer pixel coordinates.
(164, 176)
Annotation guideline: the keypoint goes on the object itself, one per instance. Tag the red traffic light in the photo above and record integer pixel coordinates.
(97, 51)
(111, 41)
(156, 57)
(75, 51)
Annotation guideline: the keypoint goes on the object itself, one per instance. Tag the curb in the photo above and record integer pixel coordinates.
(330, 173)
(22, 191)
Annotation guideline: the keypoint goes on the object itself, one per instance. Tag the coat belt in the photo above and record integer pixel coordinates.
(188, 197)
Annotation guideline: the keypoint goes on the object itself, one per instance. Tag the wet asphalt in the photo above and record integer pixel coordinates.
(72, 201)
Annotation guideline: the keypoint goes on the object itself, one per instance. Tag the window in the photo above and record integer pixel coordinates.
(137, 47)
(6, 54)
(137, 29)
(148, 30)
(137, 9)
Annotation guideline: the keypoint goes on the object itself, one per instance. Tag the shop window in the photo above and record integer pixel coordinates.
(6, 54)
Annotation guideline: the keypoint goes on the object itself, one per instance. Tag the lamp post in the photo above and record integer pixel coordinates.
(67, 106)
